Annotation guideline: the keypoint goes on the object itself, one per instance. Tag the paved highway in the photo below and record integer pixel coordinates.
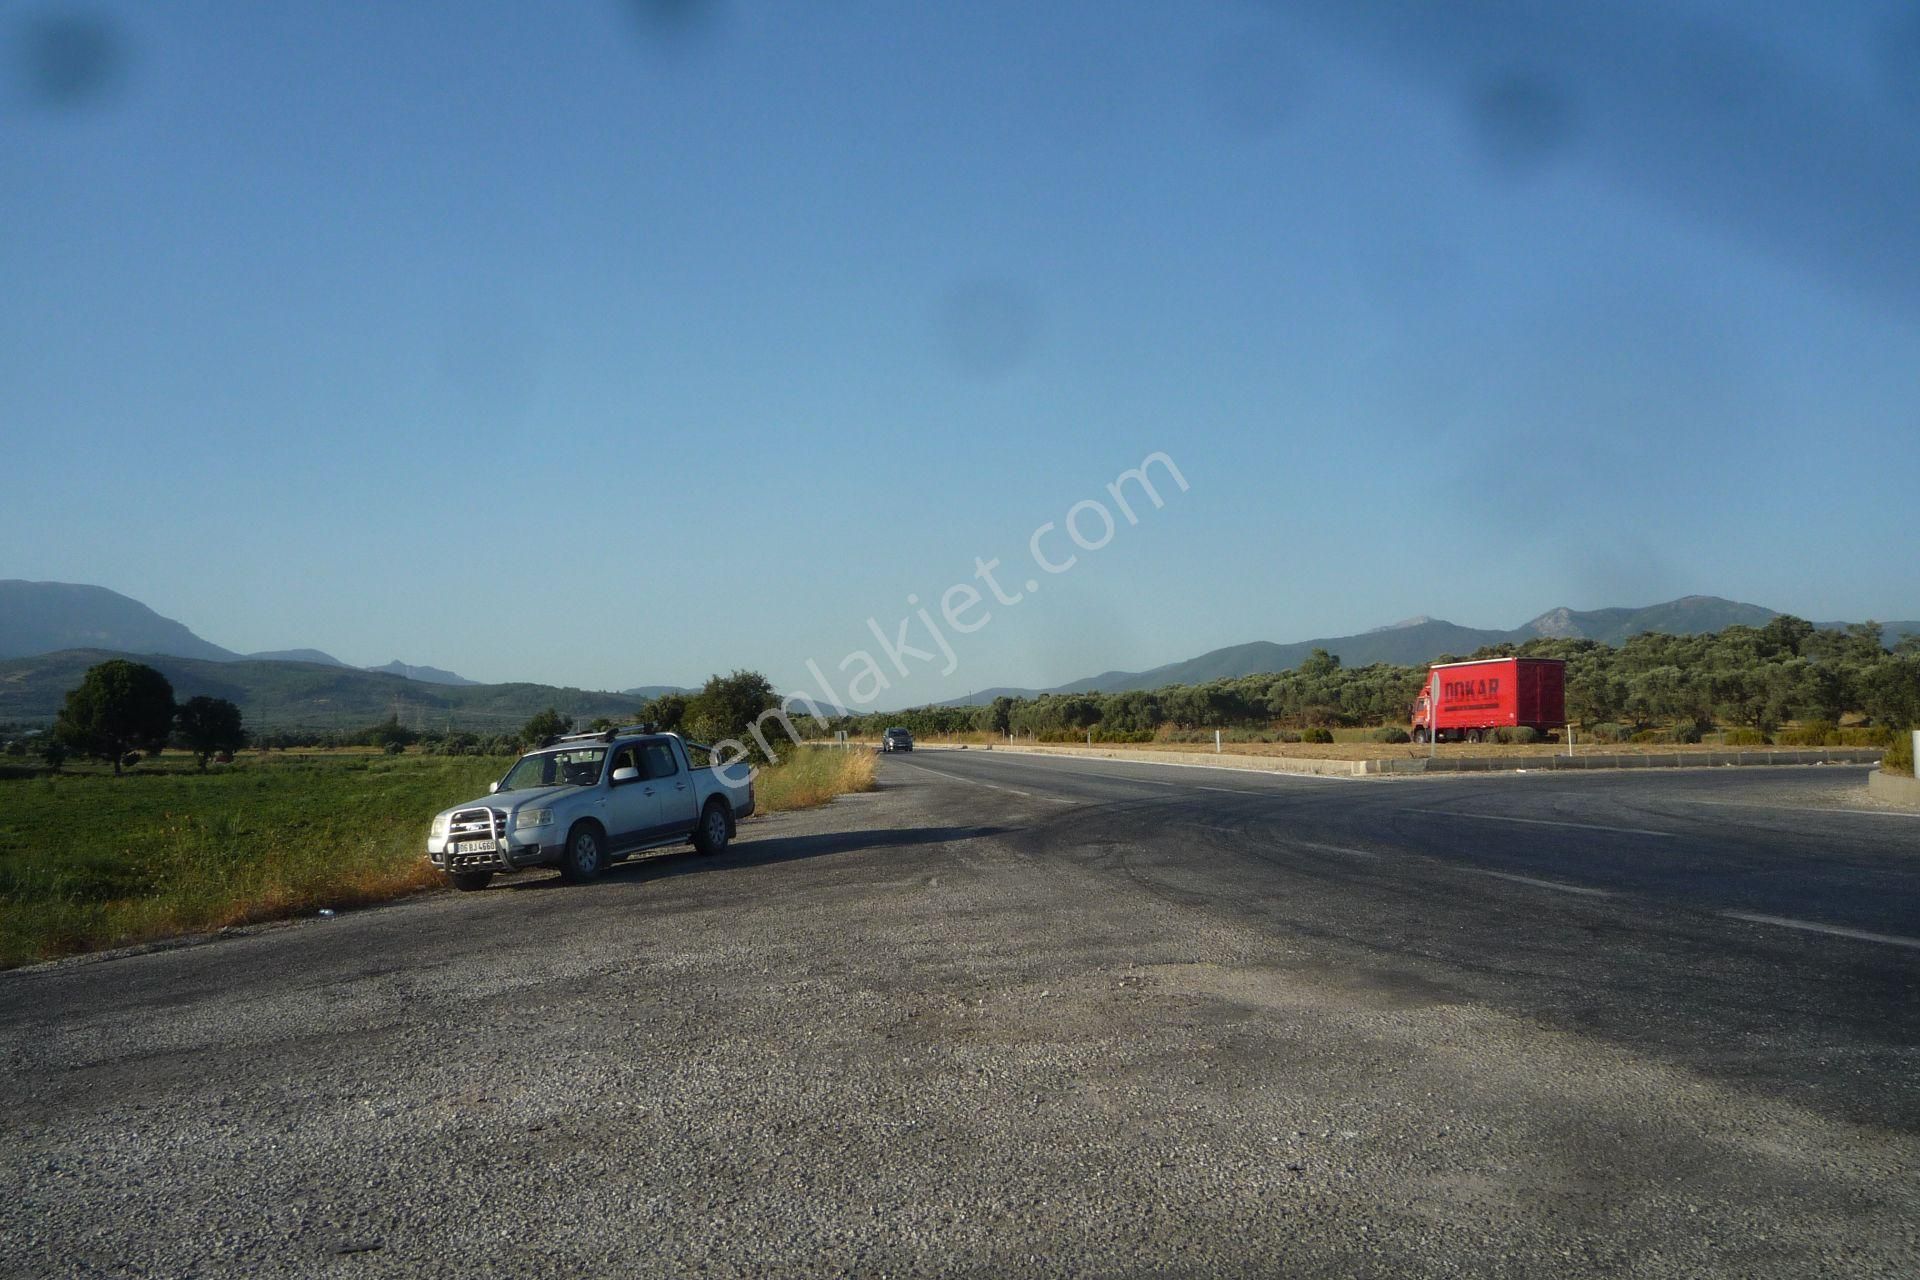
(1025, 1015)
(1760, 922)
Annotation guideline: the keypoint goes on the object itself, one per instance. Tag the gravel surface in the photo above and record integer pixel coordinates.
(944, 1028)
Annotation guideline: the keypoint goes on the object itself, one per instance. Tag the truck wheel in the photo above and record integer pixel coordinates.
(584, 859)
(711, 836)
(468, 881)
(1420, 733)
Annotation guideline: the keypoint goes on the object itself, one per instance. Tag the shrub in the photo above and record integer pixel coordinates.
(1860, 736)
(1516, 733)
(1899, 757)
(1607, 731)
(1391, 733)
(1650, 735)
(1810, 733)
(1316, 735)
(1744, 738)
(1685, 731)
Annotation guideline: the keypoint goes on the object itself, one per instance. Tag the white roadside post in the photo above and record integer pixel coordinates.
(1216, 742)
(1433, 716)
(1916, 751)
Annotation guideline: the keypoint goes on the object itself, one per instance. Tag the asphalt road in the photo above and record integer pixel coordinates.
(1025, 1015)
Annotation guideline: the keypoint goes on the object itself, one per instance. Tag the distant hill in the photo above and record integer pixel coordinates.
(43, 617)
(1420, 640)
(297, 655)
(309, 695)
(1687, 616)
(648, 692)
(431, 675)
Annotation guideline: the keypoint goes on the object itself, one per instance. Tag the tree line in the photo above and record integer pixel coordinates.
(1757, 679)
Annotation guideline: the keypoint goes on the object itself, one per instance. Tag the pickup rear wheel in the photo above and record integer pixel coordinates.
(468, 881)
(712, 834)
(585, 858)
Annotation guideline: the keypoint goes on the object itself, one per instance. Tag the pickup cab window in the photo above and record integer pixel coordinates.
(660, 761)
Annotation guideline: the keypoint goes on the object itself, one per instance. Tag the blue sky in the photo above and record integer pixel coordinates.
(621, 343)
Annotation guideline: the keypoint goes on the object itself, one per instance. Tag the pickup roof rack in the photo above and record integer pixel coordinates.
(603, 735)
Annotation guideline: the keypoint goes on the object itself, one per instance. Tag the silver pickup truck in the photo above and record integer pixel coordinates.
(588, 800)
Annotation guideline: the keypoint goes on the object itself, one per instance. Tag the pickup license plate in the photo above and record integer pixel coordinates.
(473, 846)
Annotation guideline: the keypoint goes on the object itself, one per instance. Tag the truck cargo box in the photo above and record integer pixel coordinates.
(1493, 693)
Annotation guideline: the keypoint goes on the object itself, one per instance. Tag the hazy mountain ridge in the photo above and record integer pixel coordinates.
(45, 617)
(51, 617)
(297, 655)
(431, 675)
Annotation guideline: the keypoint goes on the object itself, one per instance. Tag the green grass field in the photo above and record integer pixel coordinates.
(88, 860)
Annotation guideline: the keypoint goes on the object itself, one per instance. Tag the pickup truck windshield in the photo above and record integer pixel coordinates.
(577, 768)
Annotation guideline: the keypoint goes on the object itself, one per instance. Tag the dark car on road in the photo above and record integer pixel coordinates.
(896, 740)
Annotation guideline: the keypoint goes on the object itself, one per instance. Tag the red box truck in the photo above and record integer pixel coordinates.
(1471, 699)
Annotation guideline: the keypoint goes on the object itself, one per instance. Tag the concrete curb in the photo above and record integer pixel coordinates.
(1894, 788)
(1455, 764)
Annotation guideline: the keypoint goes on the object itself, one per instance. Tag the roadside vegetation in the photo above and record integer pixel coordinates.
(808, 776)
(107, 838)
(1784, 684)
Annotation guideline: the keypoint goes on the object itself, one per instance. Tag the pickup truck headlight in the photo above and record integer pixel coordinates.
(532, 818)
(439, 826)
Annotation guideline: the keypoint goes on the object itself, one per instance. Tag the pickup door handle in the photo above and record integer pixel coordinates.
(647, 790)
(679, 786)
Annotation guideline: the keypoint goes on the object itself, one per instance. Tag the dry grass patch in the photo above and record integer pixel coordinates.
(810, 776)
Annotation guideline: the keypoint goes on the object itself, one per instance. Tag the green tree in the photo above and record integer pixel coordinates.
(1319, 664)
(547, 725)
(208, 726)
(1891, 691)
(389, 735)
(666, 712)
(997, 716)
(729, 708)
(119, 707)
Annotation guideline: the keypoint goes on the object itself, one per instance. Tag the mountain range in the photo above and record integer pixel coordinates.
(46, 617)
(1420, 640)
(50, 632)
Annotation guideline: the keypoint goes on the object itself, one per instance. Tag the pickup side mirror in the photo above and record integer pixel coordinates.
(626, 773)
(492, 787)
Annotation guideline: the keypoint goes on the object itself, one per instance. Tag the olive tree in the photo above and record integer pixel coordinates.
(208, 726)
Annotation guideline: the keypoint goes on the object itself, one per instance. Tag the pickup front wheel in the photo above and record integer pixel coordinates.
(711, 837)
(585, 858)
(468, 881)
